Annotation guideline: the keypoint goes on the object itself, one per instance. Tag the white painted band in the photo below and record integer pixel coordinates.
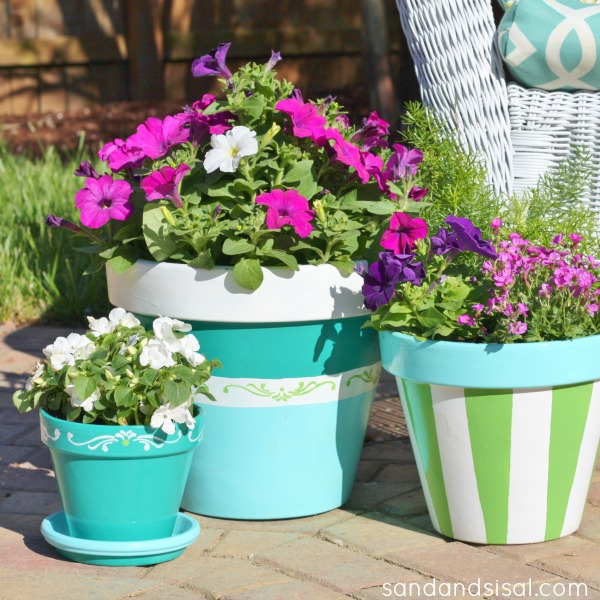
(270, 393)
(314, 293)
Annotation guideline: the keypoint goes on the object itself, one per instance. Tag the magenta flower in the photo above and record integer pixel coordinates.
(403, 163)
(164, 183)
(496, 224)
(85, 169)
(466, 320)
(373, 133)
(213, 63)
(417, 193)
(403, 233)
(349, 154)
(591, 309)
(120, 155)
(157, 137)
(306, 120)
(545, 290)
(575, 238)
(287, 207)
(104, 199)
(517, 328)
(201, 125)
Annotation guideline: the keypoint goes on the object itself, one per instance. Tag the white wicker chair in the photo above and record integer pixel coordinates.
(520, 132)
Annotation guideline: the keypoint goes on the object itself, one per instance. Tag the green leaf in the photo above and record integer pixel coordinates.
(287, 259)
(123, 258)
(232, 247)
(84, 386)
(253, 106)
(346, 267)
(72, 412)
(299, 171)
(127, 233)
(161, 243)
(124, 396)
(248, 273)
(177, 393)
(203, 261)
(149, 377)
(382, 208)
(431, 318)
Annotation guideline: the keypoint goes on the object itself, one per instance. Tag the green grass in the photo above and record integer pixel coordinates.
(41, 273)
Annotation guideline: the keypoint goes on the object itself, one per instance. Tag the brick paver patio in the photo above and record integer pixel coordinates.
(382, 536)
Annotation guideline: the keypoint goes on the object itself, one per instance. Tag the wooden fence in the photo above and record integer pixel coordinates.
(61, 55)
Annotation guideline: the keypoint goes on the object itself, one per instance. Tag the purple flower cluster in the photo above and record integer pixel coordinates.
(524, 272)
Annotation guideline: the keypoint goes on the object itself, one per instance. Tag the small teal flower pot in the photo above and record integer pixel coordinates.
(119, 483)
(505, 436)
(293, 399)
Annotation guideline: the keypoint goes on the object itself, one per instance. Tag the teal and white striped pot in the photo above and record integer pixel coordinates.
(284, 437)
(505, 436)
(120, 483)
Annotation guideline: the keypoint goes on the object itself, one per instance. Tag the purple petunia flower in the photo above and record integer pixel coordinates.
(213, 63)
(157, 137)
(403, 163)
(164, 183)
(104, 199)
(444, 242)
(382, 277)
(403, 233)
(275, 58)
(287, 207)
(305, 117)
(85, 169)
(54, 221)
(469, 237)
(120, 155)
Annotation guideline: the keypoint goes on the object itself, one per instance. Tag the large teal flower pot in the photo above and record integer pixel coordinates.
(505, 435)
(119, 483)
(293, 399)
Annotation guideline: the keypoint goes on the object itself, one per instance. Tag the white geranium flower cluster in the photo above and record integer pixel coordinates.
(65, 351)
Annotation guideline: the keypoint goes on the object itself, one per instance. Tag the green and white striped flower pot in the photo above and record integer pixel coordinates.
(284, 437)
(505, 436)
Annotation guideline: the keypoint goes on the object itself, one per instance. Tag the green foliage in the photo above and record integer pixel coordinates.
(41, 272)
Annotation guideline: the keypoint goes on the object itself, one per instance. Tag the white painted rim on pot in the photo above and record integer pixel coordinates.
(313, 293)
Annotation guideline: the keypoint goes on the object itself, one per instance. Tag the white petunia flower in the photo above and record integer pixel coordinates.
(156, 355)
(39, 369)
(60, 353)
(166, 416)
(88, 403)
(229, 148)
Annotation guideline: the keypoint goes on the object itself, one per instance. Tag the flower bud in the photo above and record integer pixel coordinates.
(273, 131)
(320, 210)
(122, 421)
(131, 350)
(168, 216)
(108, 374)
(129, 373)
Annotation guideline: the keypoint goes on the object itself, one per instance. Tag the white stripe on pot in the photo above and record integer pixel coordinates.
(450, 412)
(319, 389)
(529, 461)
(585, 465)
(418, 458)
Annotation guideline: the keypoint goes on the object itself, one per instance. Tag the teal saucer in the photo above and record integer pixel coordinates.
(119, 554)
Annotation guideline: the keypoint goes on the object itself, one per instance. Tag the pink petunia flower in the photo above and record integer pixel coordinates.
(104, 199)
(120, 156)
(403, 233)
(164, 183)
(306, 120)
(156, 137)
(350, 155)
(287, 207)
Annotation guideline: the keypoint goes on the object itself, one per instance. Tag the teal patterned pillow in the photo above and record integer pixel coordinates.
(552, 44)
